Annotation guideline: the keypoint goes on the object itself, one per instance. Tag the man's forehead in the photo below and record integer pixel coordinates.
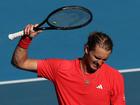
(100, 52)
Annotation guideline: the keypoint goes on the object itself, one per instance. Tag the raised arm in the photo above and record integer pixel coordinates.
(20, 57)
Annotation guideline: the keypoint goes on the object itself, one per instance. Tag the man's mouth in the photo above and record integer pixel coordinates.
(95, 65)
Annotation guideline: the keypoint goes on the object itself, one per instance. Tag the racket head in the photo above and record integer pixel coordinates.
(67, 17)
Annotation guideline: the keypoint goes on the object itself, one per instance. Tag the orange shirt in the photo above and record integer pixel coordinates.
(73, 87)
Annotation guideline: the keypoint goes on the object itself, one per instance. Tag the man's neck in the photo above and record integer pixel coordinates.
(85, 68)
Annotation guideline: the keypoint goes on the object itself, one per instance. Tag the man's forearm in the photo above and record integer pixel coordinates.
(19, 56)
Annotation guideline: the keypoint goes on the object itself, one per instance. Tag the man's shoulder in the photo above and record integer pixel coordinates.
(109, 69)
(59, 61)
(112, 73)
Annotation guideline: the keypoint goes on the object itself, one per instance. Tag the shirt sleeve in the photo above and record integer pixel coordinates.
(47, 68)
(117, 93)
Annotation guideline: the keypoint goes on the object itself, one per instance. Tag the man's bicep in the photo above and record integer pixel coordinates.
(30, 65)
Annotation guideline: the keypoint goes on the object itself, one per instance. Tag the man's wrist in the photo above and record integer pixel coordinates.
(25, 42)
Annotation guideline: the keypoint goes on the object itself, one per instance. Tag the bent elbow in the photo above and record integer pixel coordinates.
(16, 63)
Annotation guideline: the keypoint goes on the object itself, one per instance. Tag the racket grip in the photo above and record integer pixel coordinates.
(15, 35)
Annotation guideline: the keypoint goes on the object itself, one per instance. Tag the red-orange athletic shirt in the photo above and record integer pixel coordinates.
(73, 87)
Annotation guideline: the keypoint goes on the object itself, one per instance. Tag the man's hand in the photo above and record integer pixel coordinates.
(30, 32)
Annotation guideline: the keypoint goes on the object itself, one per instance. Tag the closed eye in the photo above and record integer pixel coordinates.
(98, 58)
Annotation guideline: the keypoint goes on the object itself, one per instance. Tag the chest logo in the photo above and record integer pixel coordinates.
(99, 87)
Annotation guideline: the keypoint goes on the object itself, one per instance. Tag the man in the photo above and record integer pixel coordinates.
(82, 81)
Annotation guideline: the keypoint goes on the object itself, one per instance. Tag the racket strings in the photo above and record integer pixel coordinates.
(69, 18)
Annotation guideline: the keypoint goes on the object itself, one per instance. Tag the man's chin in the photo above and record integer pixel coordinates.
(92, 70)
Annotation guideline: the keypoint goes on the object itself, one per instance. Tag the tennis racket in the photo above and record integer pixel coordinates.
(64, 18)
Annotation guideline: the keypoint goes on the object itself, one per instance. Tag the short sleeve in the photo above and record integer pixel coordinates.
(47, 68)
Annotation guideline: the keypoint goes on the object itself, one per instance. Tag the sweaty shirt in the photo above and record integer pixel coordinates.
(73, 87)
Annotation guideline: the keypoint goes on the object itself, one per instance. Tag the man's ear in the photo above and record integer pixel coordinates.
(86, 49)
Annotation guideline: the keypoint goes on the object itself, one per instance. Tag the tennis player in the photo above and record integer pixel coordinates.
(82, 81)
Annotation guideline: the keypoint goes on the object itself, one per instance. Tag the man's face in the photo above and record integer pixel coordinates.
(95, 58)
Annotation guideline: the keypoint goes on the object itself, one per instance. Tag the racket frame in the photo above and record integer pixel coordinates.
(51, 27)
